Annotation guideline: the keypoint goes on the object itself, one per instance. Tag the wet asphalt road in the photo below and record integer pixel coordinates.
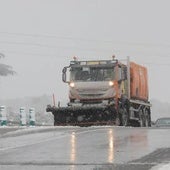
(74, 148)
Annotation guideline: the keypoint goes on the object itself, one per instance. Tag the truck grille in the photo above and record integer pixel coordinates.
(91, 95)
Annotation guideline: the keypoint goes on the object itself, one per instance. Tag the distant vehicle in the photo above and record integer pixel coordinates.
(163, 122)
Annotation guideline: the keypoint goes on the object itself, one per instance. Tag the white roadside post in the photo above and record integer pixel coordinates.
(32, 116)
(3, 116)
(22, 116)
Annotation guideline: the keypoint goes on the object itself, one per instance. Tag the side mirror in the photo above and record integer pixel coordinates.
(64, 75)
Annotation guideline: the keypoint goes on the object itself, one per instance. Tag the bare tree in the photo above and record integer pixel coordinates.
(5, 70)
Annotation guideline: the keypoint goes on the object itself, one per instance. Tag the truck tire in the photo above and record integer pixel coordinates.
(147, 118)
(141, 118)
(124, 117)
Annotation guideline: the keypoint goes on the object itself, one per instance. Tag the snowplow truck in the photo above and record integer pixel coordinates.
(104, 92)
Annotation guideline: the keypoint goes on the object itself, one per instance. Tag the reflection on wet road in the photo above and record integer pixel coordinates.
(111, 146)
(107, 145)
(75, 148)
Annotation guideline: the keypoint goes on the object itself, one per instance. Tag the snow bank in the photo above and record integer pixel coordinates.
(162, 167)
(25, 130)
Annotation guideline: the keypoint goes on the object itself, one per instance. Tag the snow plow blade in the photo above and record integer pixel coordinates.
(83, 116)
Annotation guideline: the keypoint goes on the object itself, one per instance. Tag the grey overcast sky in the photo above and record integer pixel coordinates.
(40, 37)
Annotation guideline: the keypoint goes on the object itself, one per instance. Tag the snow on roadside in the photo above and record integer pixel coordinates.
(162, 167)
(26, 136)
(23, 130)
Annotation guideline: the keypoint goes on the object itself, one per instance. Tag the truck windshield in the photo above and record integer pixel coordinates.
(91, 74)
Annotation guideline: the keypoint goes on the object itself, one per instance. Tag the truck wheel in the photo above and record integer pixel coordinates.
(147, 118)
(124, 117)
(141, 119)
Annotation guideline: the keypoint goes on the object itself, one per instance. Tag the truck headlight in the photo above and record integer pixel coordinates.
(72, 84)
(111, 83)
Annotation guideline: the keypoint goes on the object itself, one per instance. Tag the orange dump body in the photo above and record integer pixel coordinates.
(138, 82)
